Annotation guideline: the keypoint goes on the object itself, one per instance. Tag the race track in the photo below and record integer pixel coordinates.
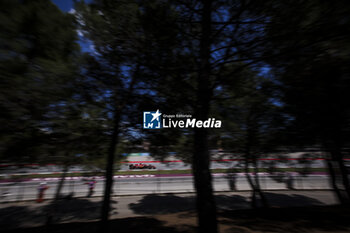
(147, 184)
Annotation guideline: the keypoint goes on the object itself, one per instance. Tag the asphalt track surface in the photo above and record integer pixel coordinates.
(157, 184)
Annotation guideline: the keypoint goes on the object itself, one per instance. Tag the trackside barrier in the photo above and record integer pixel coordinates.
(138, 185)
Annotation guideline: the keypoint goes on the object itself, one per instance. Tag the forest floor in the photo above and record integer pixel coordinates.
(290, 211)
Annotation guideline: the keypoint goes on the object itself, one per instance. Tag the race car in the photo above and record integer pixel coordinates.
(141, 166)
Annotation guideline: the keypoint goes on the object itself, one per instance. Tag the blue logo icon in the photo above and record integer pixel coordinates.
(152, 120)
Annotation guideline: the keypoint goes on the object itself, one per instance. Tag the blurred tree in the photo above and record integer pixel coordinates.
(253, 124)
(177, 52)
(38, 69)
(46, 115)
(208, 36)
(213, 34)
(309, 55)
(77, 136)
(114, 71)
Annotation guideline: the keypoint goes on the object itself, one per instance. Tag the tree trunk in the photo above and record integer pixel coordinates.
(251, 183)
(109, 175)
(258, 187)
(60, 184)
(342, 174)
(205, 202)
(333, 181)
(254, 183)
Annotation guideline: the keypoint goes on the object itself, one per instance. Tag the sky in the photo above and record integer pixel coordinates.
(66, 6)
